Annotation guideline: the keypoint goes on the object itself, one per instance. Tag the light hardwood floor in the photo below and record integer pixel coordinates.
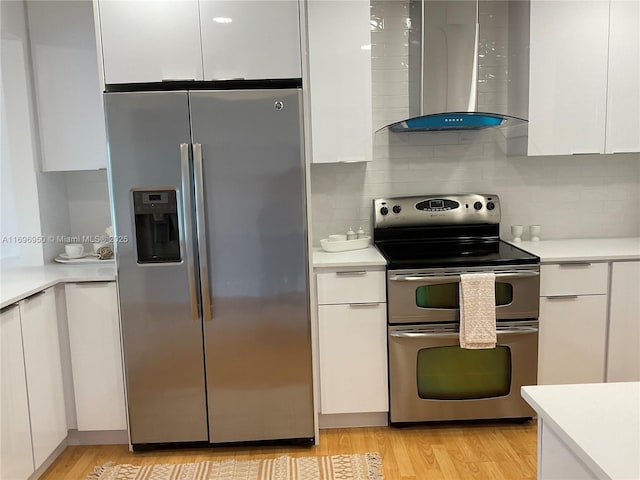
(497, 450)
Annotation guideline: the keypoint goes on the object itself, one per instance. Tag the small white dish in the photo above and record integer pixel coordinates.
(344, 245)
(88, 258)
(64, 256)
(337, 238)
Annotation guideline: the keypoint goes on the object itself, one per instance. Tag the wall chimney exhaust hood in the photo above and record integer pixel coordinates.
(468, 65)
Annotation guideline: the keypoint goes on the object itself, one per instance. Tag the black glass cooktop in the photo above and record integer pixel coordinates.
(448, 253)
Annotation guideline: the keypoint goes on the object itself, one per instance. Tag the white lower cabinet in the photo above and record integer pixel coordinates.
(573, 323)
(96, 355)
(353, 360)
(572, 339)
(43, 369)
(623, 361)
(352, 338)
(16, 458)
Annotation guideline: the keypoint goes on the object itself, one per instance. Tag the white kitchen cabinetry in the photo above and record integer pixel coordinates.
(151, 41)
(339, 35)
(16, 458)
(96, 355)
(573, 323)
(67, 85)
(623, 361)
(43, 370)
(584, 82)
(623, 94)
(252, 39)
(568, 76)
(352, 337)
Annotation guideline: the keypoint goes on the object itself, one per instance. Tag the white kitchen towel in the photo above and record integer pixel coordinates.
(478, 310)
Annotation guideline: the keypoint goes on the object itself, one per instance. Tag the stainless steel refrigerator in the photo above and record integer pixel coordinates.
(208, 192)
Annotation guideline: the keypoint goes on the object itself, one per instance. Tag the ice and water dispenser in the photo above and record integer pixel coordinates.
(156, 221)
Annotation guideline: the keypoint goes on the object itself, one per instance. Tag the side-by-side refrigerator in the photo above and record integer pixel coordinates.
(208, 192)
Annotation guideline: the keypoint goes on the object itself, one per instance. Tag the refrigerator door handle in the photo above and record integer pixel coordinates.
(188, 229)
(201, 228)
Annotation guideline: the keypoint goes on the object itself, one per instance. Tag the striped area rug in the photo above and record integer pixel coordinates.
(367, 466)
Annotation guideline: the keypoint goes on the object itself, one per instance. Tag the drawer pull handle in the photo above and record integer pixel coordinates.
(359, 272)
(575, 264)
(369, 304)
(34, 295)
(563, 297)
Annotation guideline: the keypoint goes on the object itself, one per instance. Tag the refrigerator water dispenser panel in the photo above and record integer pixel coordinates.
(156, 223)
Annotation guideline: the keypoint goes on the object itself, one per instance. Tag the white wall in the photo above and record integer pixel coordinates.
(582, 196)
(88, 203)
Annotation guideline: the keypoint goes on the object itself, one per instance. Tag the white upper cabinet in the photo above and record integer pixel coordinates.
(568, 76)
(67, 85)
(250, 39)
(150, 40)
(584, 85)
(623, 99)
(153, 41)
(339, 35)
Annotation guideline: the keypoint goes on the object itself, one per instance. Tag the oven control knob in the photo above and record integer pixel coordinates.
(384, 210)
(491, 205)
(397, 208)
(477, 205)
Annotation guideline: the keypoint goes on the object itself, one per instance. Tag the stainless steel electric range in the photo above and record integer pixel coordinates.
(428, 242)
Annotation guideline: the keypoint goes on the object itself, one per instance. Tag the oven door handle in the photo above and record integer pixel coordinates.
(456, 278)
(509, 331)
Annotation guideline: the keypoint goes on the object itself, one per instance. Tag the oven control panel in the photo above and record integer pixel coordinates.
(451, 209)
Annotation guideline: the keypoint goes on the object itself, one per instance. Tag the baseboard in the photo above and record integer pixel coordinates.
(102, 437)
(49, 461)
(352, 420)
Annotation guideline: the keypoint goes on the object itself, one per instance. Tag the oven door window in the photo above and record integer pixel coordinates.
(454, 373)
(446, 295)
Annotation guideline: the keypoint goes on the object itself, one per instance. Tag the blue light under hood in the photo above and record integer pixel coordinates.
(454, 121)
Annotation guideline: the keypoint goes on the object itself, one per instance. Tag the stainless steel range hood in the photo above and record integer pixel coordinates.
(468, 65)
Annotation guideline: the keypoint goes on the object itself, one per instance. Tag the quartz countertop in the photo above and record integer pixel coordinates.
(599, 423)
(583, 249)
(363, 257)
(18, 282)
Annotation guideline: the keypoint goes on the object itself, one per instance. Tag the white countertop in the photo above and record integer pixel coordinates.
(353, 258)
(18, 282)
(583, 249)
(599, 422)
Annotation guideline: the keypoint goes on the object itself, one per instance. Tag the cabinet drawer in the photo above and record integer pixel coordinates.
(574, 279)
(356, 286)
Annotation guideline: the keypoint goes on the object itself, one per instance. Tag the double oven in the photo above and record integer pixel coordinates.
(429, 242)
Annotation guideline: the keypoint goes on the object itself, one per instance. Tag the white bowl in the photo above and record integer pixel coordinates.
(74, 250)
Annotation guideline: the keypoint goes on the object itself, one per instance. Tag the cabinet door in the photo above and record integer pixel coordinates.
(67, 85)
(572, 339)
(623, 93)
(16, 458)
(568, 76)
(96, 353)
(353, 358)
(623, 362)
(340, 80)
(252, 39)
(43, 368)
(150, 40)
